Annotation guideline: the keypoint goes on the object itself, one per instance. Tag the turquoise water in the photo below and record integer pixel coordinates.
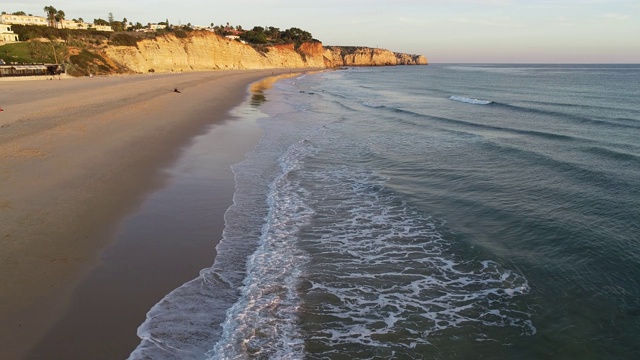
(448, 211)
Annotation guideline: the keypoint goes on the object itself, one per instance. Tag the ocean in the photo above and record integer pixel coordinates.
(451, 211)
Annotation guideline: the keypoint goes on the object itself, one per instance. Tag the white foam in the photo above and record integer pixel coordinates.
(385, 263)
(372, 104)
(385, 268)
(186, 322)
(469, 100)
(263, 322)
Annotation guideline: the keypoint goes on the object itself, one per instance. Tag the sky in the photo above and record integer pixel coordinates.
(445, 31)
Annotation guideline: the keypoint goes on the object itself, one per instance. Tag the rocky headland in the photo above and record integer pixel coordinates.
(203, 50)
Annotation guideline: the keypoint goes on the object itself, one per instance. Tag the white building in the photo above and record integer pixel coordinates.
(157, 26)
(23, 20)
(41, 20)
(101, 27)
(77, 25)
(71, 24)
(7, 35)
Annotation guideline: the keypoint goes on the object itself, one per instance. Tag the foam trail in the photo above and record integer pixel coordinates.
(387, 279)
(263, 322)
(469, 100)
(372, 104)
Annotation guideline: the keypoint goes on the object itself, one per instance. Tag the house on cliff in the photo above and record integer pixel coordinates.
(81, 25)
(9, 19)
(7, 35)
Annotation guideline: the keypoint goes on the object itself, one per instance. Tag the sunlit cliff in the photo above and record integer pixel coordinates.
(207, 51)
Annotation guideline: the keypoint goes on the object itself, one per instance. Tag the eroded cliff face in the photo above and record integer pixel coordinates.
(206, 51)
(410, 59)
(335, 56)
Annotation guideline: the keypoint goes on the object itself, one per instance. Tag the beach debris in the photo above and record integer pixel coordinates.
(176, 90)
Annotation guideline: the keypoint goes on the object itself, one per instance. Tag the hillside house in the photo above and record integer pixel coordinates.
(42, 21)
(155, 27)
(23, 20)
(7, 35)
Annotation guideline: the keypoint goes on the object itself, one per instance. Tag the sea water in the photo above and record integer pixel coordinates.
(440, 212)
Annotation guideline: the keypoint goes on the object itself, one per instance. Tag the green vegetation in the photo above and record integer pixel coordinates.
(16, 53)
(255, 36)
(78, 48)
(30, 32)
(273, 36)
(181, 34)
(86, 63)
(16, 13)
(123, 39)
(34, 52)
(345, 50)
(295, 36)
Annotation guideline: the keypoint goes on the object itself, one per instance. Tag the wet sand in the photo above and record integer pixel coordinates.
(79, 160)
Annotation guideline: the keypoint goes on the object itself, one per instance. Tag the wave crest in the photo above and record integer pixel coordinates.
(470, 100)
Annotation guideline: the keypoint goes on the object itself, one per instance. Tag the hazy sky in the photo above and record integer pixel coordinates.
(553, 31)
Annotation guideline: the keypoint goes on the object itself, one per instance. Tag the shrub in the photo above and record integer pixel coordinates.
(86, 62)
(180, 34)
(123, 39)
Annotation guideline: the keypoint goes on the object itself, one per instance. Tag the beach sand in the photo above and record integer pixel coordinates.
(76, 158)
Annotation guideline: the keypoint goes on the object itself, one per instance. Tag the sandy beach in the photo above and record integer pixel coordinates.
(76, 157)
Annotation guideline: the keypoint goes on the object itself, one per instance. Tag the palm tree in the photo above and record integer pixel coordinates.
(51, 13)
(59, 17)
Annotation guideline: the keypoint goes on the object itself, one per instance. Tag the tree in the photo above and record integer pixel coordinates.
(110, 18)
(100, 22)
(42, 52)
(60, 52)
(273, 33)
(296, 36)
(254, 37)
(59, 16)
(117, 26)
(39, 51)
(51, 14)
(19, 13)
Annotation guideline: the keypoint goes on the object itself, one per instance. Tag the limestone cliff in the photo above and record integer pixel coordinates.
(206, 51)
(410, 59)
(335, 56)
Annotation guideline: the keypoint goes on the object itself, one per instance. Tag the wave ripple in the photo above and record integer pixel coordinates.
(469, 100)
(385, 277)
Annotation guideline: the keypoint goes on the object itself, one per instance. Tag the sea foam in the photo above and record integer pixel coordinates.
(470, 100)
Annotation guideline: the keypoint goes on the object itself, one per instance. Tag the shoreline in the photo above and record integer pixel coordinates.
(78, 157)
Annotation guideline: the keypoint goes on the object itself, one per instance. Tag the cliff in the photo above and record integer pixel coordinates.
(206, 51)
(411, 59)
(335, 56)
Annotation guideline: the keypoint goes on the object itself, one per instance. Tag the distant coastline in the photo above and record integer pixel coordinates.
(170, 48)
(202, 51)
